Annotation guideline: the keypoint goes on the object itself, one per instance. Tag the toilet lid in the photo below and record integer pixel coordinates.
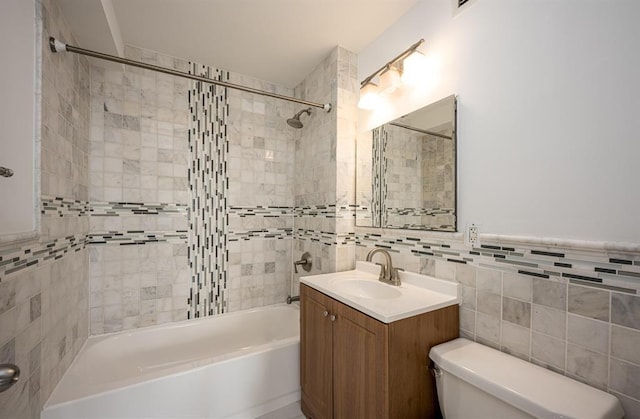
(530, 388)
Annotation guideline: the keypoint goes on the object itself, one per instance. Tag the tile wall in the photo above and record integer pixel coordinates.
(260, 197)
(138, 194)
(150, 168)
(438, 189)
(44, 284)
(402, 164)
(325, 167)
(573, 310)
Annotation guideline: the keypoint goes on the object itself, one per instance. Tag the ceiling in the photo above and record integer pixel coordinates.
(280, 41)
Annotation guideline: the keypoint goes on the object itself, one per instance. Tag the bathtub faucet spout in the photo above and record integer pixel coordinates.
(291, 299)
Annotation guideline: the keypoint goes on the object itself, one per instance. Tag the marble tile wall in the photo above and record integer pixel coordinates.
(402, 163)
(543, 304)
(44, 283)
(325, 167)
(438, 189)
(137, 155)
(138, 192)
(260, 196)
(408, 156)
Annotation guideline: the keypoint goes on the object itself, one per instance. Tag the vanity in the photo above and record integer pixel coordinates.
(365, 344)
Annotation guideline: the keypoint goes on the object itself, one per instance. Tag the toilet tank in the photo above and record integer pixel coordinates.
(475, 381)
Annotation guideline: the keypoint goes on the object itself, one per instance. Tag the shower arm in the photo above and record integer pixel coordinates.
(57, 46)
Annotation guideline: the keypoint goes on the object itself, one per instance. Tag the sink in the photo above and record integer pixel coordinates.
(363, 288)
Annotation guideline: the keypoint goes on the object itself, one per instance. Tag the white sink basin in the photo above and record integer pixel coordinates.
(361, 289)
(364, 288)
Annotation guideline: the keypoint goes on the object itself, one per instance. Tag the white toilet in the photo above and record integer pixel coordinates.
(475, 381)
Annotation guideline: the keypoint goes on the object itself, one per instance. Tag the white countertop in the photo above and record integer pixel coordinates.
(418, 293)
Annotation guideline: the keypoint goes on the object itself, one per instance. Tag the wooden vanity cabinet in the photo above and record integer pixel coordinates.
(354, 366)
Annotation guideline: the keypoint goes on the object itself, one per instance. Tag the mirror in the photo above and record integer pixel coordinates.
(406, 171)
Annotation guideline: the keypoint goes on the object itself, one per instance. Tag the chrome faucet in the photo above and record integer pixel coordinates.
(388, 273)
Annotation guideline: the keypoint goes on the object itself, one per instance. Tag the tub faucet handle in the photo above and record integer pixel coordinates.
(9, 374)
(305, 262)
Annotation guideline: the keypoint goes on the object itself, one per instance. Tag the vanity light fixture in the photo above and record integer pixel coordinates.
(413, 64)
(390, 80)
(369, 96)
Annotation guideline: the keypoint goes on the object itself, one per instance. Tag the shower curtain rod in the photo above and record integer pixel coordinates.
(57, 46)
(424, 131)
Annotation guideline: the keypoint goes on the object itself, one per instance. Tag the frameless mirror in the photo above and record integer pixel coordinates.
(406, 171)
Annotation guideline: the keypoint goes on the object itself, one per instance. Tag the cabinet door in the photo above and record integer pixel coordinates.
(359, 365)
(316, 364)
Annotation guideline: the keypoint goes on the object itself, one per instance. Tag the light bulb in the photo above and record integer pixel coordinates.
(369, 98)
(390, 80)
(415, 68)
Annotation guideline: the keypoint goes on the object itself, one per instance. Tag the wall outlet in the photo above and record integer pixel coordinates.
(472, 238)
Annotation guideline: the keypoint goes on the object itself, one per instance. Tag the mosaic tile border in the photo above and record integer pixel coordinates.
(326, 211)
(377, 183)
(61, 207)
(137, 237)
(266, 211)
(442, 227)
(316, 211)
(99, 209)
(326, 238)
(264, 233)
(420, 211)
(620, 273)
(13, 260)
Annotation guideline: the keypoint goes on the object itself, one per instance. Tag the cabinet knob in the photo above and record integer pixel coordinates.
(333, 317)
(326, 313)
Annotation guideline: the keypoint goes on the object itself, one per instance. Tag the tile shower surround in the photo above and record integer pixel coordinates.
(325, 167)
(44, 283)
(138, 194)
(574, 311)
(257, 169)
(260, 195)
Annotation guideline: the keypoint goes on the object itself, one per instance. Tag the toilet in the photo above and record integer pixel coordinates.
(475, 381)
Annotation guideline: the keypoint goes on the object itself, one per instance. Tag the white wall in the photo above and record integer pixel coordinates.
(17, 99)
(548, 111)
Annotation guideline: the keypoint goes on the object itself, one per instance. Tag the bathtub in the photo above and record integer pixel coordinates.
(236, 365)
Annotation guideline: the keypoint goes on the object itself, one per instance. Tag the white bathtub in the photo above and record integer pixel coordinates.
(236, 365)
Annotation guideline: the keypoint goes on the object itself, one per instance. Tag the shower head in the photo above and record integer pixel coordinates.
(295, 121)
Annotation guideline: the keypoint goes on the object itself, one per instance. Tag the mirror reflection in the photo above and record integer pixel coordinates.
(406, 171)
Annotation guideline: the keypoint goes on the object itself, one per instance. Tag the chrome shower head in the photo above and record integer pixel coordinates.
(295, 121)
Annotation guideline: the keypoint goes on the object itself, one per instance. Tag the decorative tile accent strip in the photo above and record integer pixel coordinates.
(377, 185)
(420, 211)
(326, 238)
(265, 233)
(208, 191)
(267, 211)
(56, 206)
(443, 227)
(18, 258)
(326, 211)
(137, 237)
(130, 208)
(567, 266)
